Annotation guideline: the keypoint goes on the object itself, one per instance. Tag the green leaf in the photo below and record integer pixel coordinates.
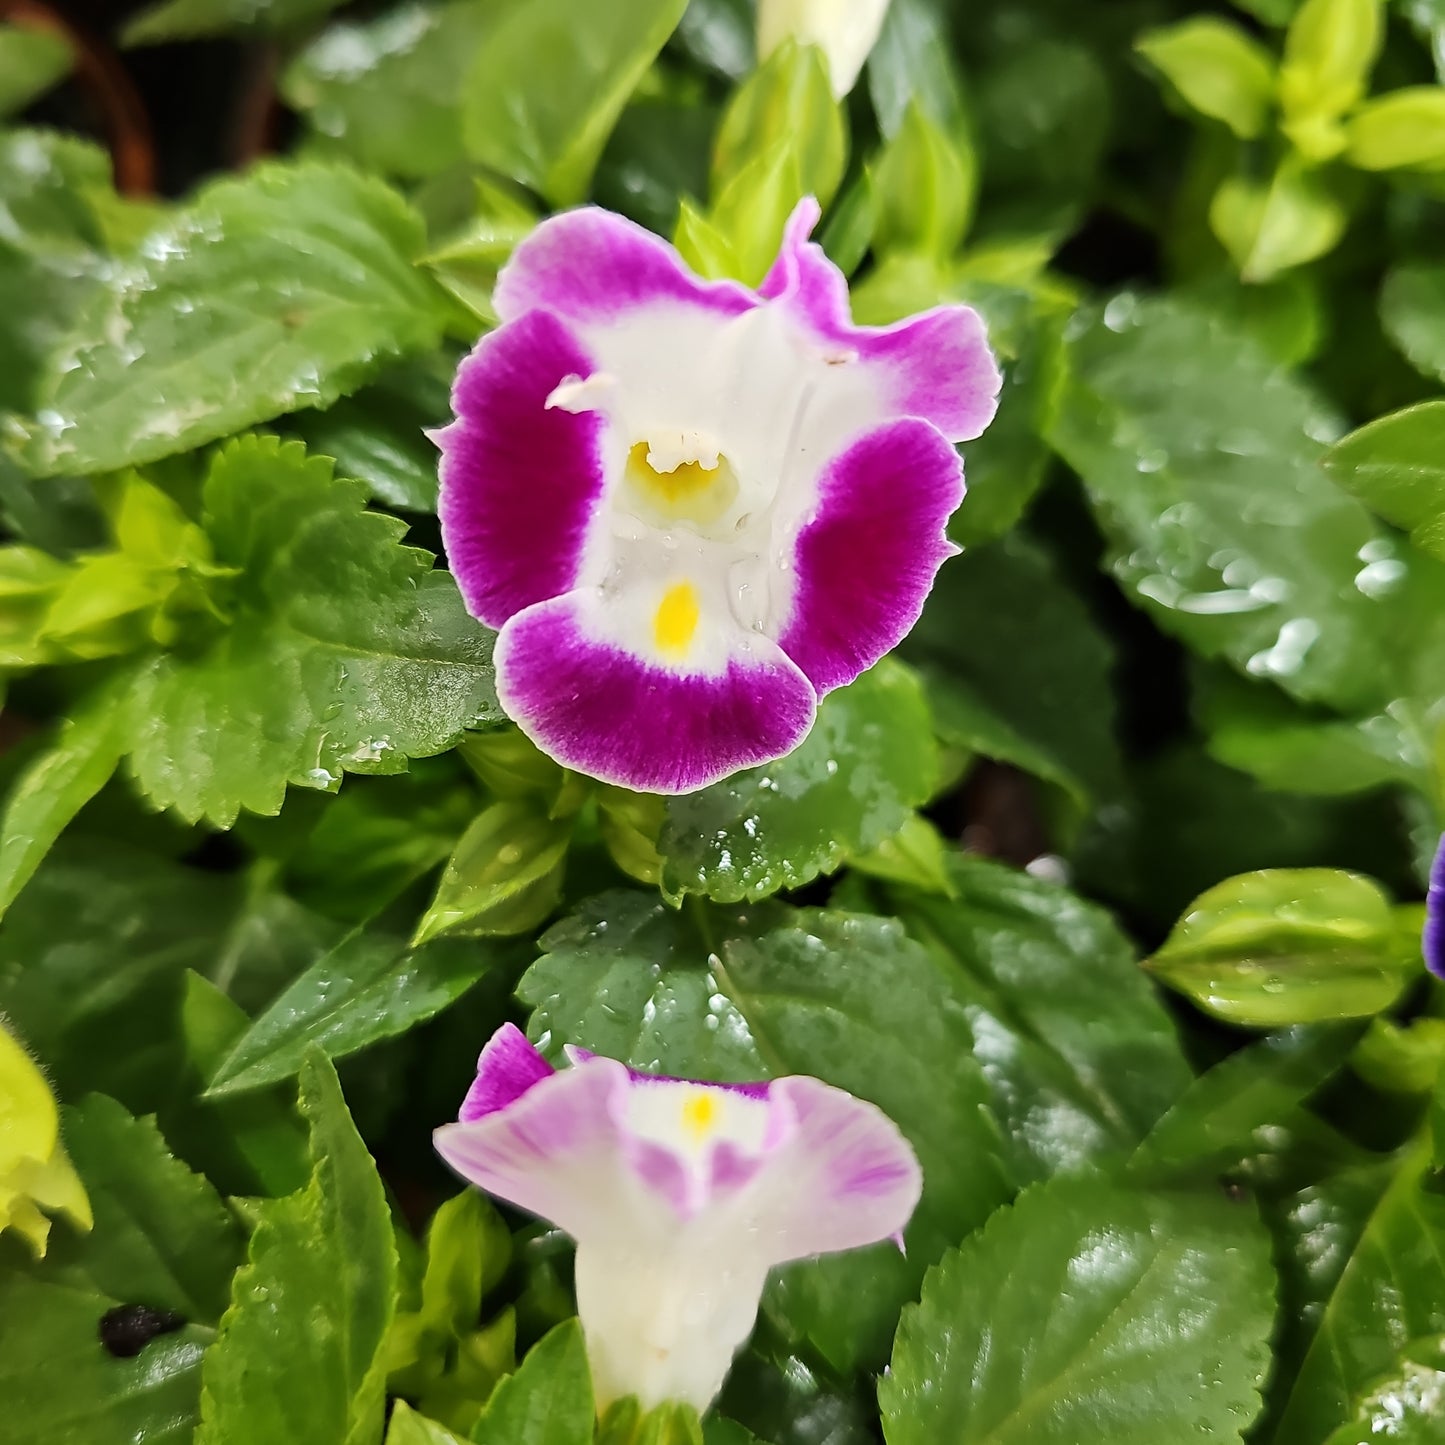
(1404, 1407)
(1405, 128)
(1202, 462)
(31, 61)
(923, 188)
(388, 91)
(56, 785)
(1269, 227)
(511, 855)
(849, 999)
(1219, 70)
(1089, 1312)
(1289, 946)
(409, 1428)
(161, 1235)
(850, 785)
(1214, 1123)
(1399, 1060)
(1412, 310)
(1396, 466)
(549, 1399)
(196, 19)
(1032, 688)
(912, 63)
(273, 1372)
(59, 1383)
(548, 86)
(284, 289)
(1377, 1285)
(345, 650)
(1329, 51)
(672, 1423)
(1080, 1056)
(369, 987)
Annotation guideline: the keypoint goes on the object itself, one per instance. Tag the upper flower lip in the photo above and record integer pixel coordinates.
(690, 508)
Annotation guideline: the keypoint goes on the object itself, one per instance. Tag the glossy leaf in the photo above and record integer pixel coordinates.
(548, 130)
(849, 999)
(281, 290)
(1405, 1406)
(272, 1374)
(1289, 946)
(344, 650)
(851, 784)
(161, 1236)
(548, 1401)
(1089, 1312)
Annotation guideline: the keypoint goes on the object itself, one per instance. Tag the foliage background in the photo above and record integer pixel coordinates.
(266, 825)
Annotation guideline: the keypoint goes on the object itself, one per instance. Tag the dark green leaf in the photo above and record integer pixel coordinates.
(1405, 1406)
(548, 1401)
(298, 1356)
(1089, 1312)
(281, 290)
(193, 19)
(31, 61)
(867, 763)
(345, 650)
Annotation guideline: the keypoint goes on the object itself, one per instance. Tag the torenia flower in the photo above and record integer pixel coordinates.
(34, 1171)
(691, 508)
(680, 1195)
(1434, 937)
(845, 31)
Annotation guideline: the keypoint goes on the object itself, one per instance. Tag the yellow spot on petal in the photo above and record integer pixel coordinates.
(699, 1114)
(690, 492)
(676, 620)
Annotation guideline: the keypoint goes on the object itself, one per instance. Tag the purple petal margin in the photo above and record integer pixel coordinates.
(866, 563)
(602, 711)
(507, 1068)
(1433, 940)
(519, 481)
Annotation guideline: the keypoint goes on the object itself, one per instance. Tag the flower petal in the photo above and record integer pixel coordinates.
(519, 480)
(865, 563)
(592, 266)
(613, 714)
(935, 365)
(1434, 938)
(844, 1177)
(507, 1068)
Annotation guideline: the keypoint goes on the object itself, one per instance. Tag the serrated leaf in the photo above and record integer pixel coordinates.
(56, 785)
(369, 987)
(284, 289)
(161, 1237)
(1080, 1057)
(548, 1401)
(1087, 1313)
(298, 1355)
(545, 124)
(345, 651)
(849, 999)
(851, 784)
(60, 1384)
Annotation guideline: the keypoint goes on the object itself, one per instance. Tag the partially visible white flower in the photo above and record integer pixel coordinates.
(844, 30)
(681, 1196)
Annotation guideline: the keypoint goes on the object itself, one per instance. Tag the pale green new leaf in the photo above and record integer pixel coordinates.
(1219, 69)
(548, 1401)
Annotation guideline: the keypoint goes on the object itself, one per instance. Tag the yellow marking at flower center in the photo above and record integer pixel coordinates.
(676, 620)
(699, 1115)
(690, 492)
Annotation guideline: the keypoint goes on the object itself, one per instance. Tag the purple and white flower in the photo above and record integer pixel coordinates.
(691, 508)
(680, 1195)
(1433, 941)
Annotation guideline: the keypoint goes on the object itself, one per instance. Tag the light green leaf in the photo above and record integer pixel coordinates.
(1089, 1312)
(369, 987)
(1412, 309)
(195, 19)
(1329, 51)
(1396, 466)
(924, 187)
(1405, 1408)
(1374, 1280)
(1219, 69)
(1405, 128)
(161, 1234)
(1080, 1056)
(513, 847)
(912, 62)
(672, 1423)
(851, 784)
(60, 1384)
(1272, 226)
(31, 61)
(409, 1428)
(1399, 1060)
(283, 289)
(56, 785)
(547, 88)
(345, 650)
(549, 1399)
(389, 91)
(275, 1372)
(849, 999)
(1290, 946)
(915, 855)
